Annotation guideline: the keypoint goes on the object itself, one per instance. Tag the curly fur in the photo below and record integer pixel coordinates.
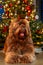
(19, 50)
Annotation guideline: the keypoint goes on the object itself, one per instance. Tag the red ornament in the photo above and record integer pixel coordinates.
(38, 31)
(10, 4)
(7, 12)
(28, 7)
(29, 12)
(25, 1)
(5, 29)
(1, 6)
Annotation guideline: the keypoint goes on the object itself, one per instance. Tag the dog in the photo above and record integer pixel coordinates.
(19, 46)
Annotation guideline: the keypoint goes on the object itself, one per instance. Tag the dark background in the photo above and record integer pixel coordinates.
(39, 9)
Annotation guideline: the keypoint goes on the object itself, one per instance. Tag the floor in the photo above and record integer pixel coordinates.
(39, 60)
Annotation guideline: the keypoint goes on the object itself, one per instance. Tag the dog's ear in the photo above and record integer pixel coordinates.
(9, 35)
(29, 30)
(26, 21)
(5, 48)
(28, 26)
(6, 44)
(13, 20)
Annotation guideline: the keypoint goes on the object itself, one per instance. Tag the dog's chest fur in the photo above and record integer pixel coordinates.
(20, 49)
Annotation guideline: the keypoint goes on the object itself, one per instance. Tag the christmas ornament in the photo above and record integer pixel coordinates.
(25, 1)
(38, 42)
(10, 15)
(7, 12)
(18, 2)
(38, 31)
(6, 5)
(26, 17)
(7, 9)
(28, 7)
(1, 25)
(30, 3)
(5, 28)
(37, 27)
(29, 12)
(10, 4)
(1, 6)
(15, 14)
(36, 17)
(22, 8)
(1, 9)
(42, 30)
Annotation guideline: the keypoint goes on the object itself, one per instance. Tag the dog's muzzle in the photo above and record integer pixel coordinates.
(22, 33)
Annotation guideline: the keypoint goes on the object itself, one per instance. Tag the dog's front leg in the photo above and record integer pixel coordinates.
(12, 57)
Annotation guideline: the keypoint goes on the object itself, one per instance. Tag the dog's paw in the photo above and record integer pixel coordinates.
(11, 57)
(28, 58)
(8, 59)
(31, 58)
(23, 59)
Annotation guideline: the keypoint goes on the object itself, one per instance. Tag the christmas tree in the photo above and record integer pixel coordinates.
(20, 9)
(37, 32)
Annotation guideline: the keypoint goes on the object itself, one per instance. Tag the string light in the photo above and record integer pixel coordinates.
(1, 25)
(38, 42)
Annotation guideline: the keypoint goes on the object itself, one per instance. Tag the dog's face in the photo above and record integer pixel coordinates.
(20, 29)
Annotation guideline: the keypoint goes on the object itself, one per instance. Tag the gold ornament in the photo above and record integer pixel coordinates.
(6, 5)
(1, 25)
(42, 30)
(22, 8)
(11, 13)
(18, 2)
(4, 35)
(38, 42)
(9, 10)
(12, 7)
(30, 3)
(34, 11)
(15, 5)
